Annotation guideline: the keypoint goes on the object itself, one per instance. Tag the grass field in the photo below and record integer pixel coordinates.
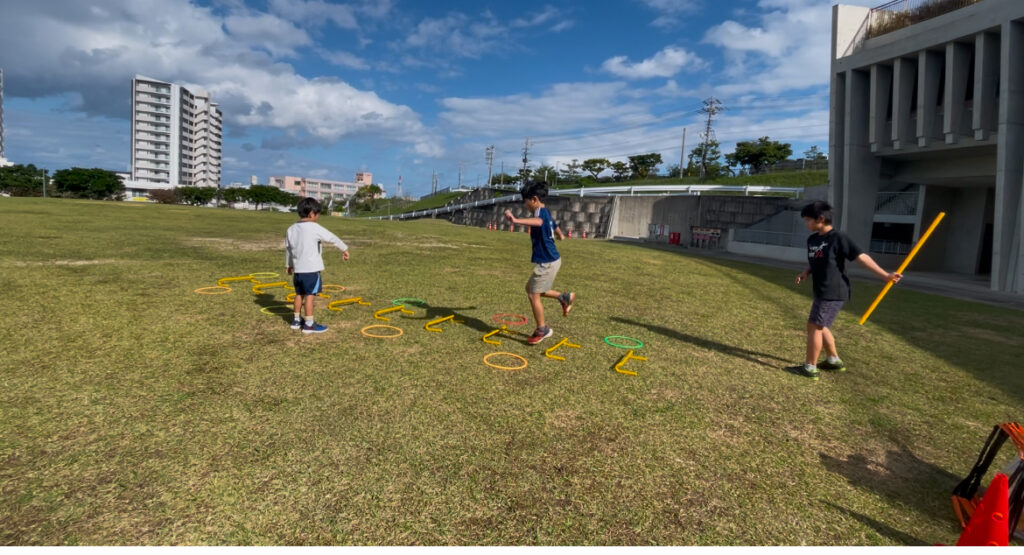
(134, 411)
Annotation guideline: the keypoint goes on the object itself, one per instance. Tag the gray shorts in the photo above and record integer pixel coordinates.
(543, 277)
(823, 312)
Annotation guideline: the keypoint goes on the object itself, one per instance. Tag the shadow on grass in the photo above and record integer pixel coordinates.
(266, 300)
(435, 312)
(738, 352)
(903, 478)
(884, 530)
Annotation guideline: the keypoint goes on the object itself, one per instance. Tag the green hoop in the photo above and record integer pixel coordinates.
(639, 344)
(408, 300)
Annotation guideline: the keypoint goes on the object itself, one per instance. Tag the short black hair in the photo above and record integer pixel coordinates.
(817, 209)
(309, 205)
(532, 189)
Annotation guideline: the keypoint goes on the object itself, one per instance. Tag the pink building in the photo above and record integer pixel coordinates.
(321, 189)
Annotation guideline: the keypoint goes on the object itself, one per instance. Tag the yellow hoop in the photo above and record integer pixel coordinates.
(222, 288)
(333, 287)
(264, 275)
(276, 309)
(400, 332)
(510, 368)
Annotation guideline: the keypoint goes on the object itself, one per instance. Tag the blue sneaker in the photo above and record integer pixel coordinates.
(296, 323)
(315, 328)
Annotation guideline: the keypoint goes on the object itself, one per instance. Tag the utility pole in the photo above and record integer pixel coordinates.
(682, 156)
(460, 175)
(399, 194)
(711, 107)
(433, 182)
(489, 156)
(526, 161)
(502, 172)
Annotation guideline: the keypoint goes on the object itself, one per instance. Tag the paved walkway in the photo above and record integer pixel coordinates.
(957, 286)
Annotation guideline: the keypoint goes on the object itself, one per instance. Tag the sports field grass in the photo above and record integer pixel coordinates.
(134, 411)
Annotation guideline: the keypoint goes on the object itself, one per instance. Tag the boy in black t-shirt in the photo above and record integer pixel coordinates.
(827, 253)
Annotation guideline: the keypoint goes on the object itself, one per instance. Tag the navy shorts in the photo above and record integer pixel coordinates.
(308, 284)
(823, 312)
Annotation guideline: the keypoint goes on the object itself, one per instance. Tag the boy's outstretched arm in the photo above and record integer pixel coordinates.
(532, 222)
(870, 264)
(326, 235)
(803, 275)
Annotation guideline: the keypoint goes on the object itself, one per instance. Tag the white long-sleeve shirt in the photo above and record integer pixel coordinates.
(302, 246)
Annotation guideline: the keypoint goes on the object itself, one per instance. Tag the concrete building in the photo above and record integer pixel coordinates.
(321, 189)
(176, 136)
(927, 115)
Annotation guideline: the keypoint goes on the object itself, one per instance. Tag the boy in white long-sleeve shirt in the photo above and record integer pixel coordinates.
(302, 257)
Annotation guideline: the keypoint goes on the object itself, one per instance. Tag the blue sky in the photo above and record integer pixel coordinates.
(325, 89)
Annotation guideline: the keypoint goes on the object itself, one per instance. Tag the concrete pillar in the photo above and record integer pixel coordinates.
(861, 168)
(986, 80)
(903, 79)
(957, 63)
(881, 84)
(1007, 267)
(837, 142)
(929, 71)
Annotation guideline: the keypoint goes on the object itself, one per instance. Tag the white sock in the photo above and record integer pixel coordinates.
(298, 316)
(309, 320)
(832, 360)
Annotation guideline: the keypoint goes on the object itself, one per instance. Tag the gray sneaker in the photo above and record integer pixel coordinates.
(567, 299)
(804, 370)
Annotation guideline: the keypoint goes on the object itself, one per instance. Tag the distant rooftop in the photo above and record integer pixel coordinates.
(903, 13)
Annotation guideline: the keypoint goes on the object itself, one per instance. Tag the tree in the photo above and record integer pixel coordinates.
(21, 181)
(814, 154)
(619, 169)
(571, 173)
(673, 171)
(594, 166)
(712, 166)
(364, 197)
(94, 183)
(544, 172)
(643, 165)
(165, 196)
(196, 196)
(235, 194)
(757, 156)
(264, 194)
(503, 179)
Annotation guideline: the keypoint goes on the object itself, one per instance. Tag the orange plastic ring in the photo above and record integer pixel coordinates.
(510, 368)
(400, 332)
(223, 289)
(498, 318)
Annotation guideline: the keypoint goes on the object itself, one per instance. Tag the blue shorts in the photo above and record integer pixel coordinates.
(823, 312)
(308, 284)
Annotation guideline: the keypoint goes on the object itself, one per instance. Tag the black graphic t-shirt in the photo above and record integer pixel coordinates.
(827, 255)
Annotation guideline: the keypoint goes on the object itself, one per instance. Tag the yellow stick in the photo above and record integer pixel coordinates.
(488, 334)
(378, 316)
(564, 342)
(629, 355)
(903, 266)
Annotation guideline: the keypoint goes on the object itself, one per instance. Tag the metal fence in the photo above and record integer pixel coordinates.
(623, 190)
(898, 14)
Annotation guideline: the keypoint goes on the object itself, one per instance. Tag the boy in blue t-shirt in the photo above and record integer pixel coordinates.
(545, 257)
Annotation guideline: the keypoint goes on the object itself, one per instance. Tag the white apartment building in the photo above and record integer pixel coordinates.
(176, 136)
(927, 116)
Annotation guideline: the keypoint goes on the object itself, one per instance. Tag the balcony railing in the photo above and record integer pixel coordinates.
(904, 13)
(896, 203)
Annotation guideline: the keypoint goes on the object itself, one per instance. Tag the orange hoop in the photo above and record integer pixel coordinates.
(509, 368)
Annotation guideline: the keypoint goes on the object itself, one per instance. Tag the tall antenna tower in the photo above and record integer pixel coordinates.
(399, 194)
(489, 156)
(1, 114)
(711, 107)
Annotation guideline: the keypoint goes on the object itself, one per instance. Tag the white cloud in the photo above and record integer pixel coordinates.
(51, 48)
(343, 59)
(471, 37)
(669, 11)
(277, 36)
(666, 63)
